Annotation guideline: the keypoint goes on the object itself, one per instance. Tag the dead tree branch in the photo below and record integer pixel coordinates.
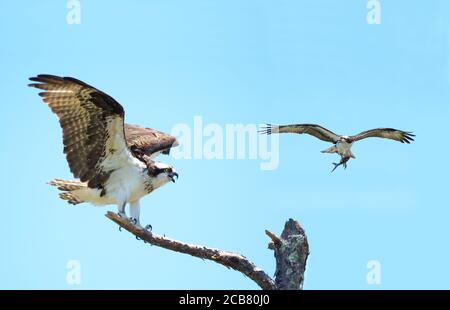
(293, 243)
(291, 254)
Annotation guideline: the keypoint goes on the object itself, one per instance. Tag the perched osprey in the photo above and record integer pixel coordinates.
(111, 160)
(342, 144)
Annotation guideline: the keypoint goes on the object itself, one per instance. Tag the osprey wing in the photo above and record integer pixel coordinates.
(92, 124)
(387, 133)
(311, 129)
(148, 141)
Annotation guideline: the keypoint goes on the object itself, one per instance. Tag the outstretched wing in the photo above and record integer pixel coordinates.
(311, 129)
(92, 124)
(148, 141)
(387, 133)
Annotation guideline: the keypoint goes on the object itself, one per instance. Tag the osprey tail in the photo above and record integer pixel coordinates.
(67, 187)
(331, 150)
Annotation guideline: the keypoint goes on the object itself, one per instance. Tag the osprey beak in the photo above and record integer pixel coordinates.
(172, 175)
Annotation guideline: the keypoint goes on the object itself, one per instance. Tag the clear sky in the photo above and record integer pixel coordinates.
(230, 62)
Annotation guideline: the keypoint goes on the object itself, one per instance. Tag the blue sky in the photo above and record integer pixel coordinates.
(246, 62)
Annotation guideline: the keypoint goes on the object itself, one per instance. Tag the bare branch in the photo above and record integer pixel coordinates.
(276, 242)
(291, 254)
(228, 259)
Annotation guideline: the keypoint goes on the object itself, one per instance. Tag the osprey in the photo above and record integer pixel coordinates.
(342, 144)
(112, 161)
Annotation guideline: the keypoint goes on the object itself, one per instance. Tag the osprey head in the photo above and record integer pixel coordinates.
(345, 139)
(163, 172)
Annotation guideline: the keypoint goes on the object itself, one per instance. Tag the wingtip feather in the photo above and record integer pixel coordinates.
(268, 129)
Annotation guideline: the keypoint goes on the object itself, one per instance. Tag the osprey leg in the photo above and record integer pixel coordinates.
(135, 210)
(122, 210)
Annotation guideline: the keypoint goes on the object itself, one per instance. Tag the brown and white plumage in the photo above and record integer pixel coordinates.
(92, 124)
(96, 149)
(311, 129)
(342, 144)
(387, 133)
(148, 141)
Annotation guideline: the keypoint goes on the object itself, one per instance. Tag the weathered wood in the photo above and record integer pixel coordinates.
(291, 253)
(228, 259)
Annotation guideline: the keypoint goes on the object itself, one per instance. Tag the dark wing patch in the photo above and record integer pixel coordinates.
(311, 129)
(148, 141)
(387, 133)
(92, 124)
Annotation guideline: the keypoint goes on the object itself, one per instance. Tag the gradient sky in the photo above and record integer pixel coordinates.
(246, 62)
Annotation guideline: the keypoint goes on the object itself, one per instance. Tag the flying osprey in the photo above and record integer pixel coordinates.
(112, 161)
(342, 144)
